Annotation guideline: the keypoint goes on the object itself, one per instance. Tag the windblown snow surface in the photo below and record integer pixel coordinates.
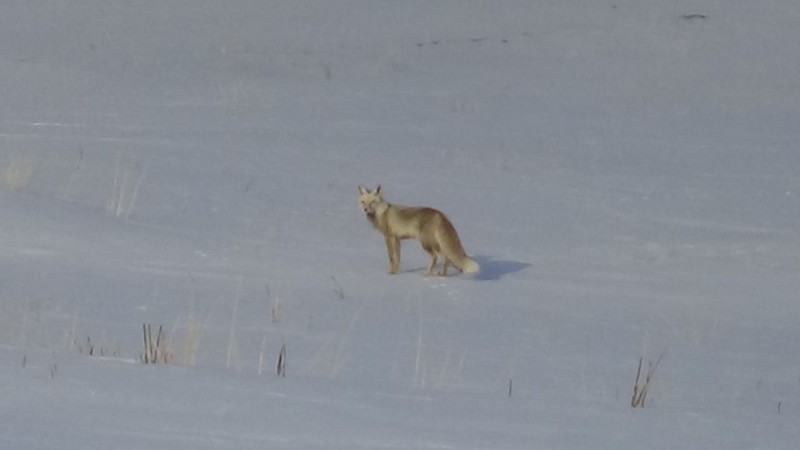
(626, 172)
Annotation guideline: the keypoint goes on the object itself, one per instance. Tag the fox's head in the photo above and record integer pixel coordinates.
(369, 201)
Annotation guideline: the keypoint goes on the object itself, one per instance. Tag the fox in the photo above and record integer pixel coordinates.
(430, 226)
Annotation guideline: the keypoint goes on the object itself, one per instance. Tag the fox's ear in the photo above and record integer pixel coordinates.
(362, 190)
(378, 190)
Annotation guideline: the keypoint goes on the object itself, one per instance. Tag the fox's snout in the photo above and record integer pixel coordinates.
(368, 207)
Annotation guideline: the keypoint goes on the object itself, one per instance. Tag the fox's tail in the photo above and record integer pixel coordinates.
(454, 251)
(470, 266)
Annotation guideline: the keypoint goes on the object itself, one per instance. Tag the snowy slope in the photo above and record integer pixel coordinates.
(624, 172)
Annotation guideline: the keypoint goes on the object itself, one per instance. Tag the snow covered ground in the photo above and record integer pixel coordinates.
(625, 172)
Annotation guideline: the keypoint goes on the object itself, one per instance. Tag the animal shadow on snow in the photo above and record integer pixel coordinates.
(494, 269)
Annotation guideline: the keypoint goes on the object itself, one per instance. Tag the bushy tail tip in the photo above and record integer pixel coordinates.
(471, 266)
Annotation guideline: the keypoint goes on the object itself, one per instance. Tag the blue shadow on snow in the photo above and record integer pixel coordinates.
(494, 269)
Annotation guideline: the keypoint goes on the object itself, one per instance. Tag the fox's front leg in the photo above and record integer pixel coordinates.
(393, 248)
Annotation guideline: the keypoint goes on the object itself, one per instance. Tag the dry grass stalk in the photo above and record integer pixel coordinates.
(642, 385)
(276, 312)
(89, 348)
(191, 341)
(282, 361)
(155, 351)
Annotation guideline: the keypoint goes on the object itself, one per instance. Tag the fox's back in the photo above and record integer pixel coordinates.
(412, 221)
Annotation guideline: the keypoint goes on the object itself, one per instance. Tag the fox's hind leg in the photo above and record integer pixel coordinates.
(445, 266)
(431, 249)
(431, 264)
